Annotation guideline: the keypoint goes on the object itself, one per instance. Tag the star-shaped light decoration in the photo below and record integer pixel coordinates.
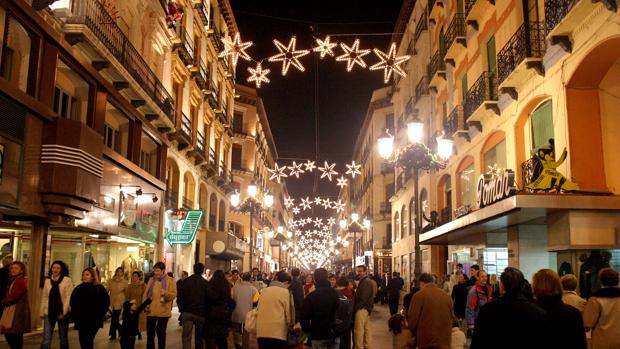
(236, 49)
(305, 203)
(353, 55)
(318, 200)
(310, 165)
(331, 221)
(353, 169)
(339, 206)
(277, 173)
(318, 222)
(325, 228)
(325, 47)
(258, 75)
(296, 169)
(327, 203)
(328, 171)
(342, 182)
(390, 63)
(295, 210)
(289, 201)
(288, 55)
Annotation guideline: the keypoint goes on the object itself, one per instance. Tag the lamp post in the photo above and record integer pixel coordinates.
(354, 227)
(415, 157)
(250, 204)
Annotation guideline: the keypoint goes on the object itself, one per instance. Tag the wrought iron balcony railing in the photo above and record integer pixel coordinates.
(527, 42)
(186, 50)
(484, 89)
(455, 121)
(421, 26)
(203, 12)
(171, 199)
(437, 64)
(422, 88)
(187, 203)
(200, 142)
(186, 126)
(456, 29)
(213, 96)
(202, 78)
(555, 11)
(468, 6)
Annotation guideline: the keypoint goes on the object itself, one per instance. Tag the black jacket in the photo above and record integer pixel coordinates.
(512, 322)
(219, 312)
(4, 284)
(89, 304)
(318, 311)
(394, 287)
(459, 297)
(298, 296)
(131, 319)
(363, 295)
(192, 297)
(567, 330)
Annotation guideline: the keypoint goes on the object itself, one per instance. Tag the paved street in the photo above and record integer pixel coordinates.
(380, 338)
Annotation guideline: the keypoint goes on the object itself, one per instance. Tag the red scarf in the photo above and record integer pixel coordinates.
(487, 291)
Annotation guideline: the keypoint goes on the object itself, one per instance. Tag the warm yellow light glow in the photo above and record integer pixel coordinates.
(252, 190)
(353, 55)
(288, 55)
(386, 145)
(258, 75)
(389, 63)
(415, 131)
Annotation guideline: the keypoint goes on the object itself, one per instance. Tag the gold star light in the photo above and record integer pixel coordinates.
(258, 75)
(236, 49)
(390, 63)
(353, 55)
(288, 55)
(324, 47)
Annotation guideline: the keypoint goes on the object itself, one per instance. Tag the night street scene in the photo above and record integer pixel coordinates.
(344, 174)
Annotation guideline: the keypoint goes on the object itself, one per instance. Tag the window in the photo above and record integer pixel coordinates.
(542, 125)
(71, 94)
(464, 87)
(16, 52)
(491, 57)
(222, 216)
(467, 181)
(212, 211)
(397, 226)
(496, 156)
(389, 123)
(116, 130)
(238, 122)
(148, 154)
(403, 221)
(236, 157)
(388, 235)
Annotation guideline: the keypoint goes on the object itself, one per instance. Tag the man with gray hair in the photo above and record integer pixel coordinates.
(430, 315)
(4, 278)
(569, 294)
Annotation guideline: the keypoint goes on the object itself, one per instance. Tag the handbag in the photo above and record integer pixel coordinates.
(250, 321)
(8, 315)
(292, 337)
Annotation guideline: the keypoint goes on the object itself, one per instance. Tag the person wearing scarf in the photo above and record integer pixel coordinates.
(161, 290)
(116, 288)
(55, 304)
(478, 295)
(15, 319)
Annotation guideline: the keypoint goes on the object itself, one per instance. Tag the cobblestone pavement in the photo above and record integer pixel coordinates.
(380, 338)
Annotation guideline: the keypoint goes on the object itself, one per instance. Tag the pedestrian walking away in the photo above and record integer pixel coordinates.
(131, 318)
(569, 292)
(220, 309)
(343, 287)
(430, 315)
(246, 297)
(15, 320)
(54, 308)
(319, 311)
(394, 287)
(362, 309)
(459, 296)
(161, 290)
(89, 304)
(116, 288)
(193, 304)
(602, 312)
(275, 314)
(297, 290)
(401, 335)
(184, 275)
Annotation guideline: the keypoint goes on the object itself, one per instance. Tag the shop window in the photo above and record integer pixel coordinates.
(397, 227)
(71, 94)
(496, 156)
(16, 51)
(467, 181)
(148, 154)
(116, 130)
(542, 125)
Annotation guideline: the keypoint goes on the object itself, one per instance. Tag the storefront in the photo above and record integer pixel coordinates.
(181, 246)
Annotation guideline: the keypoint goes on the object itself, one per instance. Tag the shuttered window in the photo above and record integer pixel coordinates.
(542, 125)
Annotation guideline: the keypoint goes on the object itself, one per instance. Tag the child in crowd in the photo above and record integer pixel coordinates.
(402, 337)
(131, 319)
(458, 336)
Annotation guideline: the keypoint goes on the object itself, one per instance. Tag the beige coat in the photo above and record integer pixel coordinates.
(157, 307)
(572, 298)
(116, 289)
(275, 312)
(602, 315)
(136, 292)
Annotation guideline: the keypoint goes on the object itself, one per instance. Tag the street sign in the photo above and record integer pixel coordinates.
(188, 231)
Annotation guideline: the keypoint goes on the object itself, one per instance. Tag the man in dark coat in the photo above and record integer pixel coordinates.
(192, 302)
(4, 279)
(394, 287)
(318, 311)
(297, 290)
(511, 321)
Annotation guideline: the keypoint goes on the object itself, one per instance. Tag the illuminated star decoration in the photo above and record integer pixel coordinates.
(318, 200)
(327, 203)
(339, 206)
(309, 166)
(342, 182)
(353, 169)
(331, 221)
(318, 222)
(288, 55)
(258, 75)
(296, 169)
(295, 210)
(236, 49)
(277, 173)
(288, 201)
(305, 203)
(353, 55)
(390, 63)
(328, 171)
(324, 47)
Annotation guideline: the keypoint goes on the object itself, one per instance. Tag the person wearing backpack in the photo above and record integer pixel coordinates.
(344, 290)
(319, 312)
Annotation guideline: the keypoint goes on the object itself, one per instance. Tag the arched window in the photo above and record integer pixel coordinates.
(493, 153)
(222, 217)
(203, 203)
(424, 208)
(212, 211)
(403, 221)
(189, 187)
(541, 125)
(466, 181)
(172, 184)
(444, 199)
(396, 226)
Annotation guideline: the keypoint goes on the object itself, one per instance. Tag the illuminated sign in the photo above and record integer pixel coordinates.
(188, 231)
(495, 186)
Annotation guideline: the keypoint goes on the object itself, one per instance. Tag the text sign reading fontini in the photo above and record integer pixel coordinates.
(495, 186)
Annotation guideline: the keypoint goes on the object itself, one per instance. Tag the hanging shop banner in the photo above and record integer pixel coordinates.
(140, 216)
(187, 233)
(494, 186)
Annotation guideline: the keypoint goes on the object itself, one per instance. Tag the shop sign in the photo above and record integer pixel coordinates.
(495, 186)
(188, 231)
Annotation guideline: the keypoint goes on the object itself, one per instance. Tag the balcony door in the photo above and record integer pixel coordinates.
(491, 57)
(236, 157)
(460, 8)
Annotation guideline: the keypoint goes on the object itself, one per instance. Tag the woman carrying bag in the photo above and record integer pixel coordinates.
(161, 290)
(15, 319)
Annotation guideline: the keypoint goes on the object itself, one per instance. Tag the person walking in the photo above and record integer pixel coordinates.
(54, 308)
(297, 290)
(459, 296)
(511, 321)
(192, 302)
(245, 296)
(129, 326)
(184, 275)
(309, 285)
(318, 313)
(15, 320)
(135, 293)
(342, 286)
(362, 309)
(394, 287)
(602, 312)
(4, 278)
(275, 313)
(430, 315)
(161, 290)
(480, 294)
(219, 311)
(473, 278)
(566, 323)
(89, 303)
(116, 288)
(569, 294)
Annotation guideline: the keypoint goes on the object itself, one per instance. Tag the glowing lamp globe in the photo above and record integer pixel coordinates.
(235, 199)
(444, 148)
(252, 190)
(268, 200)
(415, 130)
(386, 145)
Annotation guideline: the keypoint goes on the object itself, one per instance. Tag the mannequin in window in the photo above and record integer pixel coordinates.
(129, 265)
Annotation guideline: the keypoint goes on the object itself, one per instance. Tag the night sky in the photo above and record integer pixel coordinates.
(342, 97)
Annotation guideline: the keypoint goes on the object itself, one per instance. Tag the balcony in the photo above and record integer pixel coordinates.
(203, 12)
(524, 51)
(456, 42)
(188, 204)
(530, 171)
(562, 17)
(234, 248)
(213, 95)
(474, 11)
(386, 208)
(216, 38)
(481, 98)
(202, 76)
(446, 215)
(90, 24)
(387, 168)
(171, 198)
(183, 135)
(421, 26)
(437, 70)
(240, 167)
(210, 168)
(421, 90)
(186, 49)
(435, 7)
(456, 125)
(198, 152)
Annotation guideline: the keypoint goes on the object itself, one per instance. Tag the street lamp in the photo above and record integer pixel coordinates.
(414, 157)
(353, 227)
(249, 205)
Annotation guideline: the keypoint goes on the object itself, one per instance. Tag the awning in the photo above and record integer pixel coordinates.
(517, 209)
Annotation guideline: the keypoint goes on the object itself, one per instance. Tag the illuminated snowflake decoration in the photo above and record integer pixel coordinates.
(325, 47)
(296, 169)
(327, 203)
(353, 169)
(289, 201)
(236, 49)
(342, 182)
(390, 63)
(328, 171)
(288, 55)
(306, 203)
(318, 222)
(309, 165)
(295, 210)
(331, 221)
(277, 173)
(339, 206)
(353, 55)
(258, 75)
(318, 200)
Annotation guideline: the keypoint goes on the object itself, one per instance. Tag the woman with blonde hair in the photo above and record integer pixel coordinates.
(15, 319)
(89, 304)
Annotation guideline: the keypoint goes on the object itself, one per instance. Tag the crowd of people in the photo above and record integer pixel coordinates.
(316, 309)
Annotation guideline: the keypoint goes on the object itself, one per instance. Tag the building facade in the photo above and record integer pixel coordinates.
(514, 83)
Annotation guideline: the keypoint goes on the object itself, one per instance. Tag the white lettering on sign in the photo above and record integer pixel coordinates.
(495, 186)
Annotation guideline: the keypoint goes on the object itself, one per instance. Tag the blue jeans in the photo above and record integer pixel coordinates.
(326, 343)
(48, 332)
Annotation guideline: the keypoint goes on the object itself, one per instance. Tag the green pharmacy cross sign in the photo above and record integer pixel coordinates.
(188, 231)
